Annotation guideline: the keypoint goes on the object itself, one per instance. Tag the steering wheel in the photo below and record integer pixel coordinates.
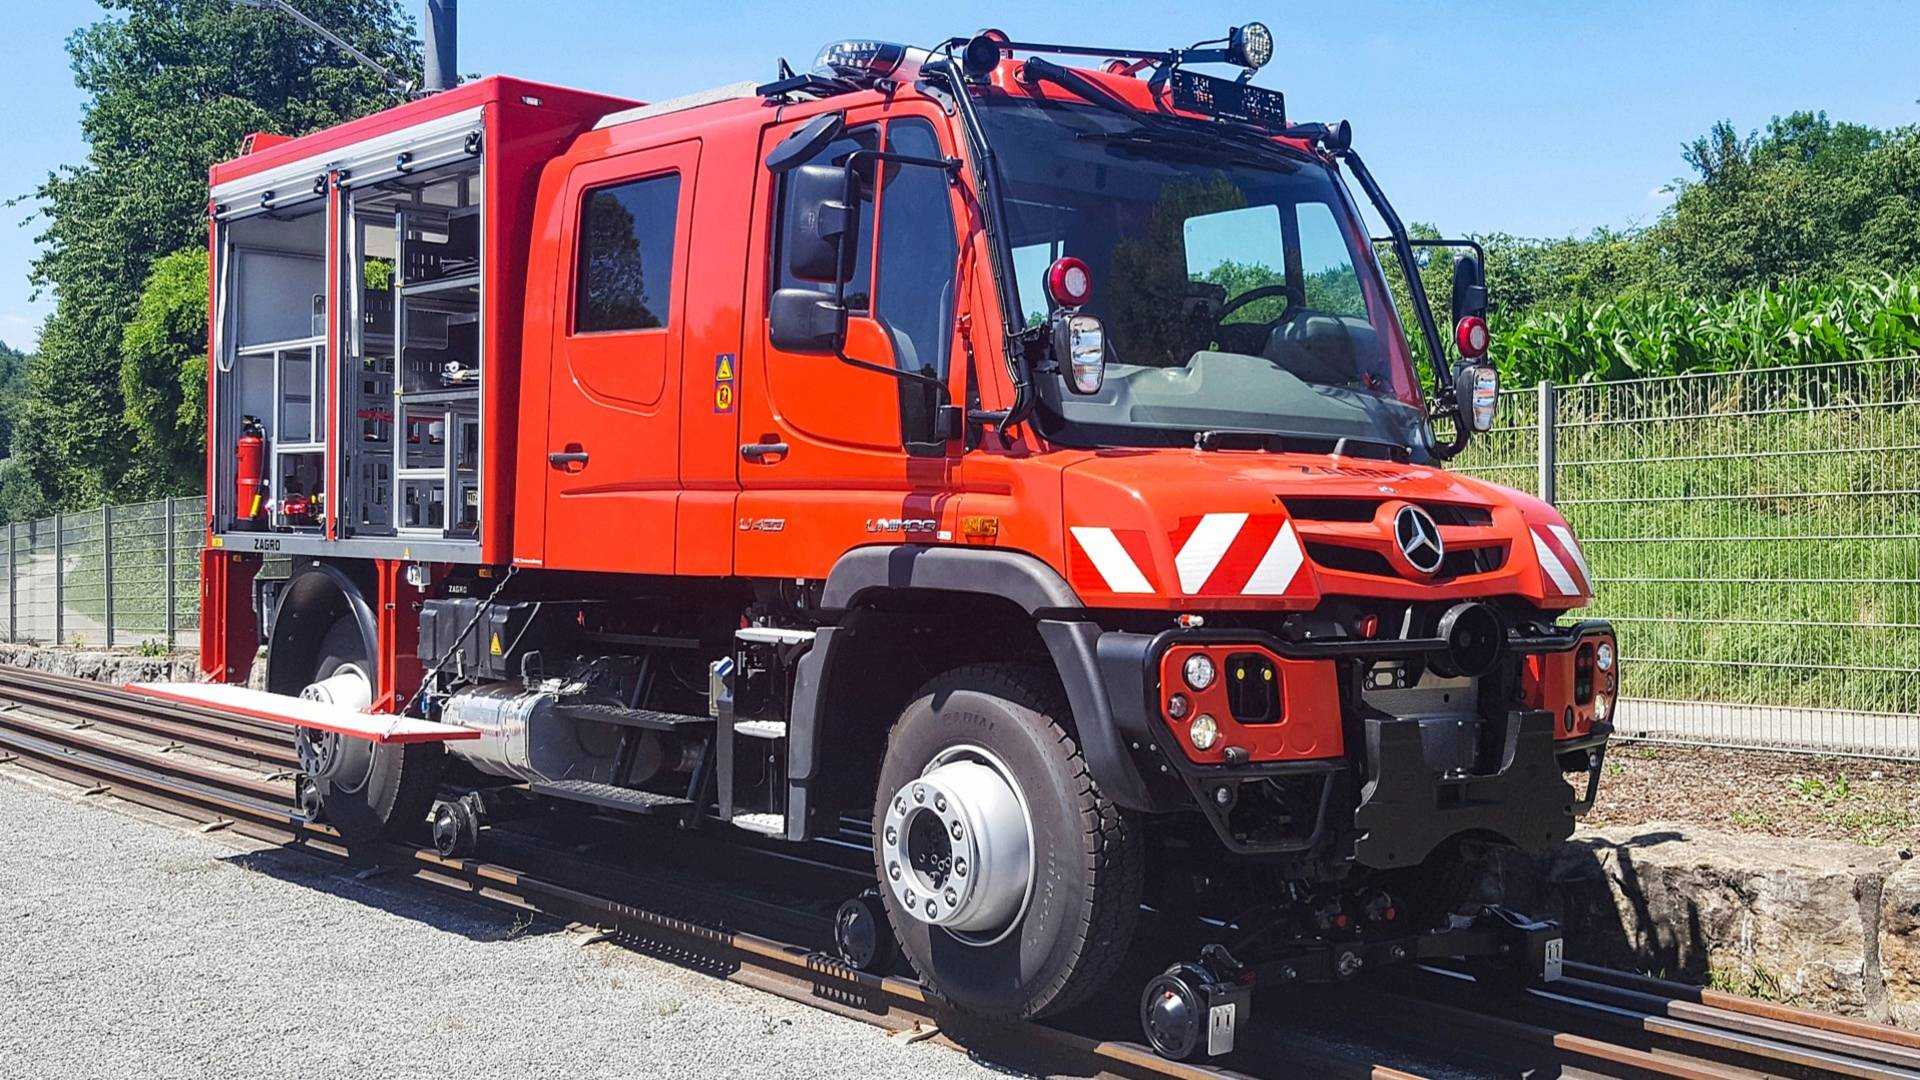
(1241, 337)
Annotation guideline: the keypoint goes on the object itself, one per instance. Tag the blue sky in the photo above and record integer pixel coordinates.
(1540, 118)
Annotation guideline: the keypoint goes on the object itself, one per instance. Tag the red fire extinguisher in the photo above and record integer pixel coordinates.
(250, 461)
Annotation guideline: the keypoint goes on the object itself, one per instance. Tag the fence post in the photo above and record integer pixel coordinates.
(59, 579)
(106, 565)
(13, 581)
(168, 521)
(1549, 467)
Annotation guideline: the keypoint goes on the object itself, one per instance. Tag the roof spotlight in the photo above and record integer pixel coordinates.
(1250, 46)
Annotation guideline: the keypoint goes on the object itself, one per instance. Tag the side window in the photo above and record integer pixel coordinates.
(917, 252)
(859, 294)
(625, 274)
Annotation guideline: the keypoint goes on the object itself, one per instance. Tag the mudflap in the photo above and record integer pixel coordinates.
(1408, 807)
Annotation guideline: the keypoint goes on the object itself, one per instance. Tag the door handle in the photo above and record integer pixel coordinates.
(759, 452)
(562, 459)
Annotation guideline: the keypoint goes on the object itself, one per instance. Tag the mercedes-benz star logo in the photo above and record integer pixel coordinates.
(1419, 539)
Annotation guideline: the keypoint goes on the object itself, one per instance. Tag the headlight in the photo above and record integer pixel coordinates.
(1204, 732)
(1198, 671)
(1602, 705)
(1603, 656)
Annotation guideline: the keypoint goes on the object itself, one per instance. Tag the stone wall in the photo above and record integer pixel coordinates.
(1816, 923)
(100, 665)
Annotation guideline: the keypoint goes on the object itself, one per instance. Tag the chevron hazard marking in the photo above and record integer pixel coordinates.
(1111, 560)
(1201, 554)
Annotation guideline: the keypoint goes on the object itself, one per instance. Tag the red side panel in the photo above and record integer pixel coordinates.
(229, 633)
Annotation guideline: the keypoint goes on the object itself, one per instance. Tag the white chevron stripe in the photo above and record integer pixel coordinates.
(1278, 566)
(1572, 546)
(1202, 552)
(1111, 560)
(1551, 563)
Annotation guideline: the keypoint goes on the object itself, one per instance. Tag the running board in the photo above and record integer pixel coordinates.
(299, 712)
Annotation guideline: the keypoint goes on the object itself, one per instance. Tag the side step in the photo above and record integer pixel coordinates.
(612, 796)
(651, 719)
(764, 824)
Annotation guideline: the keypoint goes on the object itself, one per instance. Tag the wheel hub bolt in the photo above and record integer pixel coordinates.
(957, 831)
(959, 868)
(893, 836)
(900, 804)
(919, 793)
(893, 871)
(933, 907)
(940, 803)
(952, 898)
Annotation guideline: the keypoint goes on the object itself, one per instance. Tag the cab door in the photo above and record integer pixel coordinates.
(823, 467)
(613, 432)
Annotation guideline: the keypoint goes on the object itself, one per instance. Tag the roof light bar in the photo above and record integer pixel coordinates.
(866, 59)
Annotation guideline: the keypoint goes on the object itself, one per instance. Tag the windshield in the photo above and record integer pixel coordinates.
(1234, 284)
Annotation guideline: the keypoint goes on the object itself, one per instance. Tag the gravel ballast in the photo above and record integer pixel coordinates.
(132, 947)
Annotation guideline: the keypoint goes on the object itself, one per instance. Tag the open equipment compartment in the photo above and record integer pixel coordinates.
(271, 371)
(349, 358)
(415, 352)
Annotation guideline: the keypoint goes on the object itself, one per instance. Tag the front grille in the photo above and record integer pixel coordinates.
(1316, 509)
(1456, 563)
(1352, 560)
(1484, 560)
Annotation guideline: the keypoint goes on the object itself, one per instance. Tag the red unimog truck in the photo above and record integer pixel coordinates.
(1025, 459)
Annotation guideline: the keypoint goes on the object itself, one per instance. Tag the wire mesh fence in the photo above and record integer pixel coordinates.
(1756, 540)
(116, 576)
(1755, 536)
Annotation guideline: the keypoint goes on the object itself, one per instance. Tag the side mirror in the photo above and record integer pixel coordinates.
(1469, 287)
(817, 232)
(1476, 396)
(808, 141)
(806, 321)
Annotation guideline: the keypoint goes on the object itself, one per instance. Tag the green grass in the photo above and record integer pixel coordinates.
(1755, 534)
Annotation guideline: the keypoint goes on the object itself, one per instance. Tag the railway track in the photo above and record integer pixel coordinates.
(698, 906)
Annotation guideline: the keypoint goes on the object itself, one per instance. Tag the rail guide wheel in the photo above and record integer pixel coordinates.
(455, 824)
(861, 936)
(1192, 1011)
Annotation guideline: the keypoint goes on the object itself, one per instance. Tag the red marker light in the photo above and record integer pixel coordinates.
(1069, 282)
(1368, 626)
(1470, 334)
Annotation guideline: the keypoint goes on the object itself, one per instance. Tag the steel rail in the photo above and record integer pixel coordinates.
(1597, 1021)
(224, 798)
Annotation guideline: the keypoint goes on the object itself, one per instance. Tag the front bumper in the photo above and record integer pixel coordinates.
(1382, 803)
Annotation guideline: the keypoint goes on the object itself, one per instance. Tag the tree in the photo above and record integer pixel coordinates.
(163, 369)
(173, 86)
(13, 378)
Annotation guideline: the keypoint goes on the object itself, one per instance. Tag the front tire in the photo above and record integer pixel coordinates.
(1059, 922)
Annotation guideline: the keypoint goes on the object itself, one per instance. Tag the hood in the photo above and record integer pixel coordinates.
(1196, 530)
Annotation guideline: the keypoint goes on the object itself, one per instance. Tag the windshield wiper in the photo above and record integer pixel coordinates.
(1255, 439)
